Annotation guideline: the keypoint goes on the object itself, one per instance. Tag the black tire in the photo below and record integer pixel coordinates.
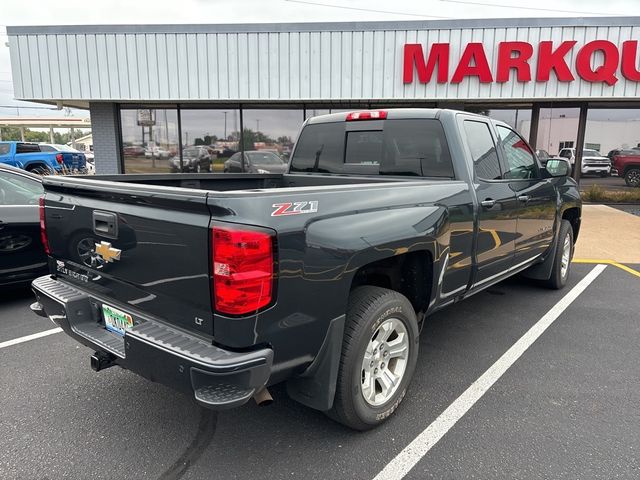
(604, 174)
(632, 177)
(558, 280)
(39, 169)
(369, 308)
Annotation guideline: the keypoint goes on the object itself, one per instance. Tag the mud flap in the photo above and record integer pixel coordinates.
(316, 387)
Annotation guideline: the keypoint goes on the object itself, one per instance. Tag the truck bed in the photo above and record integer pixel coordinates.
(224, 182)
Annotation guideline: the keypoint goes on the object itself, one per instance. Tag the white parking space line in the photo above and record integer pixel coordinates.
(27, 338)
(420, 446)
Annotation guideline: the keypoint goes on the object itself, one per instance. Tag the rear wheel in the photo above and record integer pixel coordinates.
(379, 354)
(562, 260)
(632, 177)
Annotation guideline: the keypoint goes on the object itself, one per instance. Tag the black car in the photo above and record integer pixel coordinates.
(194, 159)
(22, 256)
(255, 161)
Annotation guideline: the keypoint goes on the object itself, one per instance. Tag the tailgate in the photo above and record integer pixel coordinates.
(152, 246)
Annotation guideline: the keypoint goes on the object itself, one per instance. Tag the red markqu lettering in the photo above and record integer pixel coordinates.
(597, 61)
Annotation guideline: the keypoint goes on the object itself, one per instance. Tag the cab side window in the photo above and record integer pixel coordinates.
(483, 150)
(521, 163)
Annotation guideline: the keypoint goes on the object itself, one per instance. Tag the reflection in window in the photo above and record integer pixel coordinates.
(218, 130)
(520, 160)
(483, 150)
(149, 139)
(612, 130)
(271, 130)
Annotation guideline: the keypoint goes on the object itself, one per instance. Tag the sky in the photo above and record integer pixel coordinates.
(83, 12)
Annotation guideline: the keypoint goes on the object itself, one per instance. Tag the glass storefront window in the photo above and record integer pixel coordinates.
(612, 129)
(314, 112)
(517, 118)
(271, 130)
(216, 131)
(149, 139)
(557, 129)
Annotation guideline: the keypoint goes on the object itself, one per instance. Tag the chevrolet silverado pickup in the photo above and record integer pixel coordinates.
(221, 285)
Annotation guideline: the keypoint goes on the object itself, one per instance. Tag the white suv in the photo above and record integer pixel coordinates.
(592, 161)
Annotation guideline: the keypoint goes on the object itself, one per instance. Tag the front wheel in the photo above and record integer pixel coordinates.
(379, 354)
(562, 260)
(632, 177)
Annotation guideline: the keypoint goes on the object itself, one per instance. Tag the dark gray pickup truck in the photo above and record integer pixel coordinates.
(220, 285)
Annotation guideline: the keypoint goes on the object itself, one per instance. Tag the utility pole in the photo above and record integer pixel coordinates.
(225, 126)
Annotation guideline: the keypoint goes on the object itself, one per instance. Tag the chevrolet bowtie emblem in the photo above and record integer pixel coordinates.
(108, 253)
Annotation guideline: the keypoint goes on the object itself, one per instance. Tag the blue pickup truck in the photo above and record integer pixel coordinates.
(33, 158)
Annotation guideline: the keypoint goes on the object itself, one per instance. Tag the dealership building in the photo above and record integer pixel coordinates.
(156, 91)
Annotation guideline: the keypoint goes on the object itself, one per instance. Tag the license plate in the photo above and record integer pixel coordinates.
(115, 320)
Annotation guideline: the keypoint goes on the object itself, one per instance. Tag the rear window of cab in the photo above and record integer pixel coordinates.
(413, 147)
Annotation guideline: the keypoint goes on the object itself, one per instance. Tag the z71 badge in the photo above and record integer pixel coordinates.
(294, 208)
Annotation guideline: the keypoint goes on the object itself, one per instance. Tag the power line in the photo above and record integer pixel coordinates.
(539, 9)
(366, 9)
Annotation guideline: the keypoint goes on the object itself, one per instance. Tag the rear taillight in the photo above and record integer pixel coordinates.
(59, 158)
(243, 270)
(43, 228)
(367, 115)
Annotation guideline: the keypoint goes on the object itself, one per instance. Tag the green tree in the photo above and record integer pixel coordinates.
(10, 133)
(249, 137)
(32, 136)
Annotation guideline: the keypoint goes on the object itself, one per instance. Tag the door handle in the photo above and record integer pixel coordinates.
(488, 203)
(523, 198)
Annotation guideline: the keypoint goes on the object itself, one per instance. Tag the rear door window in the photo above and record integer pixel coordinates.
(415, 147)
(483, 150)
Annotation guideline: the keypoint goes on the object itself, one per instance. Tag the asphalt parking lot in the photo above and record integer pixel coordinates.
(567, 408)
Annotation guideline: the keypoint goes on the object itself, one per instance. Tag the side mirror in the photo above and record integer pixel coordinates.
(558, 167)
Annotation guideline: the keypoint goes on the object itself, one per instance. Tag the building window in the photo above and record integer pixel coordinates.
(215, 130)
(149, 140)
(612, 130)
(271, 130)
(557, 129)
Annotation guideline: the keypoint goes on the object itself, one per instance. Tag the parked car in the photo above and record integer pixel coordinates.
(157, 152)
(41, 159)
(592, 161)
(543, 156)
(76, 156)
(255, 161)
(22, 255)
(320, 276)
(194, 159)
(133, 151)
(626, 164)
